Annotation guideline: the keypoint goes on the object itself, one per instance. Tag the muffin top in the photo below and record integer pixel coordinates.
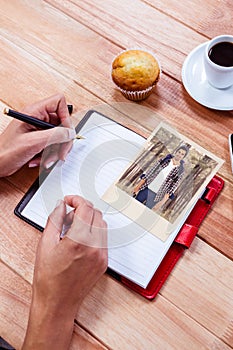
(135, 70)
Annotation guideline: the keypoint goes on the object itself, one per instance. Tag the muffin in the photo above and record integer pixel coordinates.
(135, 73)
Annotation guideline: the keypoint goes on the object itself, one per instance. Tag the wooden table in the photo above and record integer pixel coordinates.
(68, 46)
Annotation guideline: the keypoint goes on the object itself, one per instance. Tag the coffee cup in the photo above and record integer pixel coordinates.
(218, 61)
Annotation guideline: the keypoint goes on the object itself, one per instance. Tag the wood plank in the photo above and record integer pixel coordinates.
(203, 295)
(170, 93)
(203, 273)
(59, 52)
(174, 108)
(18, 240)
(153, 325)
(177, 107)
(201, 285)
(84, 341)
(18, 299)
(129, 30)
(15, 295)
(35, 80)
(100, 18)
(215, 20)
(14, 309)
(219, 221)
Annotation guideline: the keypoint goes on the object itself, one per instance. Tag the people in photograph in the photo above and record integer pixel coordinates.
(158, 184)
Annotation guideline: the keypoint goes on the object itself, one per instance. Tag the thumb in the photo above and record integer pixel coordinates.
(54, 225)
(41, 139)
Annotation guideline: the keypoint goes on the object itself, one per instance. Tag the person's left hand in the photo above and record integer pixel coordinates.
(21, 143)
(65, 271)
(161, 203)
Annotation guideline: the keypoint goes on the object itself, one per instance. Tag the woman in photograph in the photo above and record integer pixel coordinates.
(158, 184)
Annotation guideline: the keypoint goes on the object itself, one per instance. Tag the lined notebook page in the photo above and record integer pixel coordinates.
(90, 168)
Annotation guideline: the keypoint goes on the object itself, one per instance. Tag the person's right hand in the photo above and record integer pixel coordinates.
(65, 271)
(138, 186)
(21, 143)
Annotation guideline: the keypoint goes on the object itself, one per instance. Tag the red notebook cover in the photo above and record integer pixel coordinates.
(181, 243)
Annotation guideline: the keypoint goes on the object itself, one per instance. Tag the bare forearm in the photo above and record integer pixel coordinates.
(161, 203)
(139, 185)
(48, 328)
(65, 271)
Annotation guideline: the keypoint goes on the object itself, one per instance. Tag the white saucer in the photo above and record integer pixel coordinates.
(196, 84)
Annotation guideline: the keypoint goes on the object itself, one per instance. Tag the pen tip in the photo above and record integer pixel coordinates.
(78, 137)
(6, 110)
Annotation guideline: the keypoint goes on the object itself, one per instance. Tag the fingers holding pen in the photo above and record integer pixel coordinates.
(54, 225)
(59, 141)
(99, 229)
(52, 109)
(82, 218)
(90, 230)
(57, 104)
(88, 226)
(99, 238)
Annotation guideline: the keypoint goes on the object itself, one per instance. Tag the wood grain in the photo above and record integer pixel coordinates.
(50, 46)
(130, 30)
(212, 19)
(199, 294)
(170, 99)
(15, 294)
(203, 274)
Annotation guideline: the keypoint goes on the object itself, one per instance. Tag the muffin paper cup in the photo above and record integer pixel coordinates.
(137, 95)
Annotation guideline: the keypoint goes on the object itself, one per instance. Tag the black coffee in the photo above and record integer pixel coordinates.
(222, 54)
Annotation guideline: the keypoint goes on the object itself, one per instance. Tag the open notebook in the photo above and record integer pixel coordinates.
(90, 169)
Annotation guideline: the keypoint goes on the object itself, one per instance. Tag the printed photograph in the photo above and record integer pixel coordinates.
(163, 182)
(167, 174)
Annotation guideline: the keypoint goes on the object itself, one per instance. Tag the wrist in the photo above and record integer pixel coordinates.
(6, 158)
(2, 160)
(49, 326)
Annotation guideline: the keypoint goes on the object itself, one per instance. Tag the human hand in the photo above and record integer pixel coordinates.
(65, 271)
(138, 186)
(21, 143)
(135, 191)
(158, 205)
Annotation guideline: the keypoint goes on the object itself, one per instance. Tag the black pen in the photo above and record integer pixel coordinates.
(35, 121)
